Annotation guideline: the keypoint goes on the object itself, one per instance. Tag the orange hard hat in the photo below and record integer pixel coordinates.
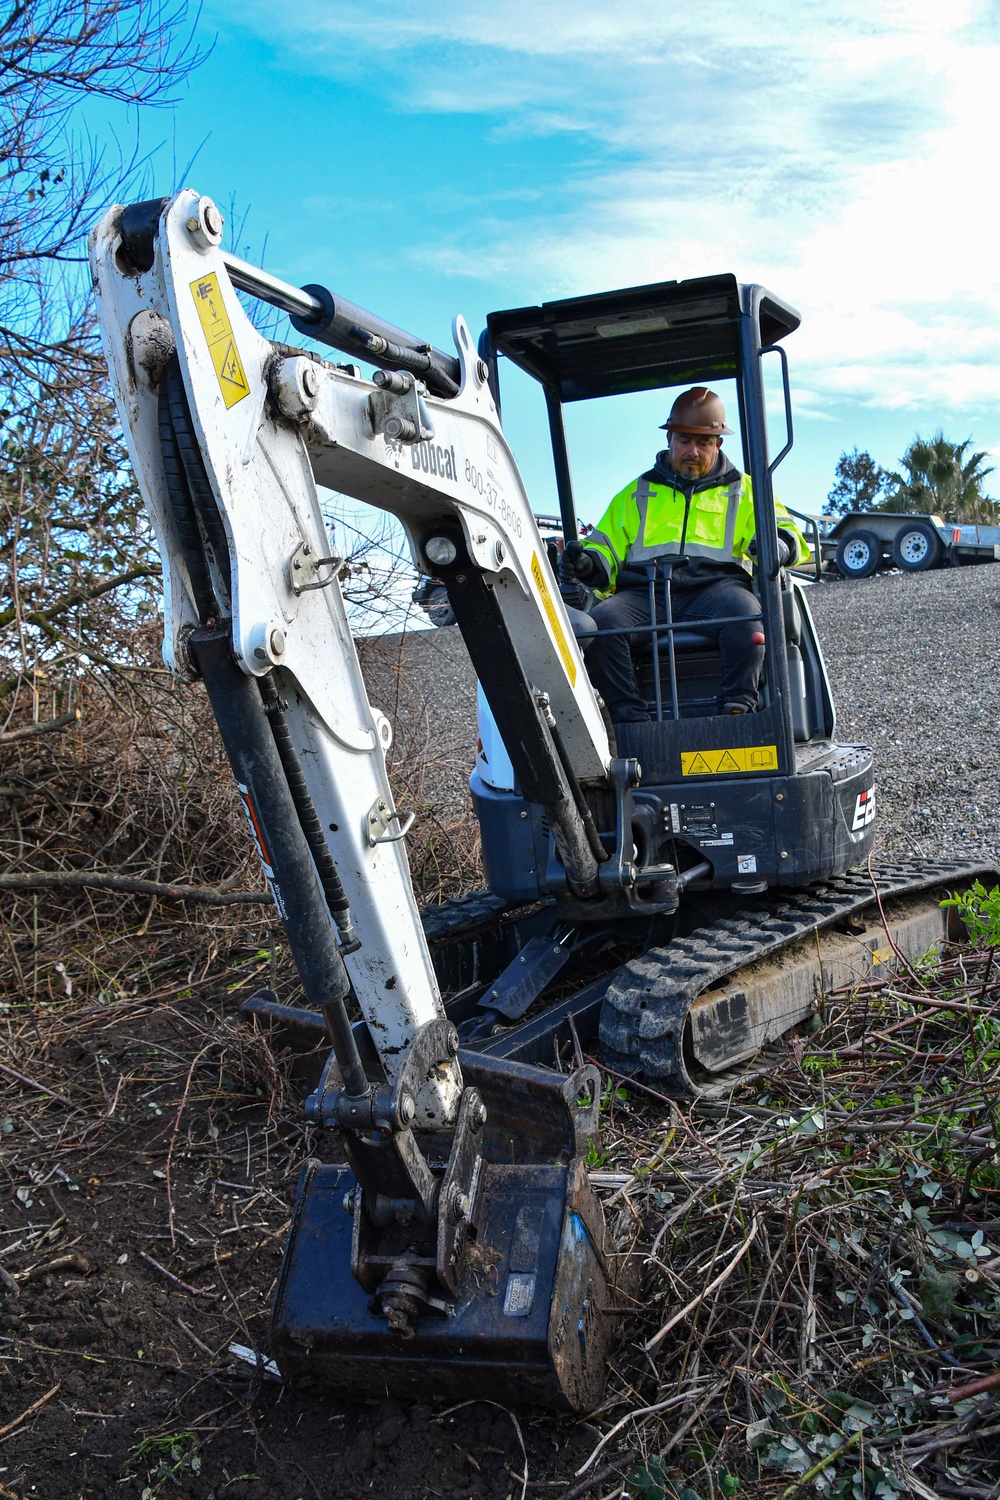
(698, 410)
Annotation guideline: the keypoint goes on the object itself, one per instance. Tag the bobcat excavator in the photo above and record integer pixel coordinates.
(681, 892)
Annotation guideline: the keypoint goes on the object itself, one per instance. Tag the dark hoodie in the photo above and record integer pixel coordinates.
(698, 571)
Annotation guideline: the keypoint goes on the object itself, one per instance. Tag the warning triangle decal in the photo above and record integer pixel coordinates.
(699, 766)
(729, 763)
(230, 368)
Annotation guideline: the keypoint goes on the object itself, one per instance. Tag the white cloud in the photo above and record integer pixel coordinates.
(843, 153)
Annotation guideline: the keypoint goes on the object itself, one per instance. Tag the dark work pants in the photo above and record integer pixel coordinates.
(609, 657)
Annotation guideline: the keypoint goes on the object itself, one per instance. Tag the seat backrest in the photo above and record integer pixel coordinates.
(792, 616)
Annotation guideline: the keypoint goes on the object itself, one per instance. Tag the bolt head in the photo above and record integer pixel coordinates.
(482, 370)
(276, 641)
(205, 226)
(784, 854)
(451, 1042)
(458, 1206)
(478, 1115)
(310, 379)
(407, 1108)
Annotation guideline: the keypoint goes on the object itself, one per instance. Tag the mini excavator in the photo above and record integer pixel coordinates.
(681, 893)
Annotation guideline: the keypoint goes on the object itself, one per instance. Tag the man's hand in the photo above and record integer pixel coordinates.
(788, 549)
(577, 566)
(575, 594)
(575, 562)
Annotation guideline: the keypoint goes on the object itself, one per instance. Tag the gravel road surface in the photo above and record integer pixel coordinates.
(914, 663)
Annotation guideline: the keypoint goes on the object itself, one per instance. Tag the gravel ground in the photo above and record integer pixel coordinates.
(424, 682)
(913, 663)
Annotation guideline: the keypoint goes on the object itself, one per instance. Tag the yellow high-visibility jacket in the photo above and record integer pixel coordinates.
(710, 520)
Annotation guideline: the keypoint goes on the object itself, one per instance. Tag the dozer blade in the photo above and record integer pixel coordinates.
(534, 1317)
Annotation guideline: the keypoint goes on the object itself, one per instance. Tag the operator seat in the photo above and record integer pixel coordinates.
(699, 667)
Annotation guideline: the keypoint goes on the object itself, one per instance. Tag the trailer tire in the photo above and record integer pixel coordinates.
(433, 600)
(858, 554)
(917, 547)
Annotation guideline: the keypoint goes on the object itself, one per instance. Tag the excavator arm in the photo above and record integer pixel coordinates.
(231, 435)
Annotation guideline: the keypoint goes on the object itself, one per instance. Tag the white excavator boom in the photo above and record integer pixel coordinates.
(269, 425)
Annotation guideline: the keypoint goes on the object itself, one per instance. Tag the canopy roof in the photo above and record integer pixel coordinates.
(640, 338)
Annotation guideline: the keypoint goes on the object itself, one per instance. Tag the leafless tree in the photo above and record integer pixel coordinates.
(58, 59)
(75, 550)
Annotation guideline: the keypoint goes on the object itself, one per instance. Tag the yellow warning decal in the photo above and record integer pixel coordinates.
(222, 348)
(728, 762)
(881, 955)
(548, 605)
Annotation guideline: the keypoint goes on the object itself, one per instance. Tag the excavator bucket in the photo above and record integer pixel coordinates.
(534, 1314)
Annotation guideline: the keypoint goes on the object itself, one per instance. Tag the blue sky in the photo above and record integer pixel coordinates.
(432, 159)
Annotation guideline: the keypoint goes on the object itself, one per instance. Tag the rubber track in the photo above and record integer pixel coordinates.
(463, 915)
(647, 1001)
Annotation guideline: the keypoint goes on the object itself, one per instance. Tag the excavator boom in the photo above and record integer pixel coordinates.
(231, 435)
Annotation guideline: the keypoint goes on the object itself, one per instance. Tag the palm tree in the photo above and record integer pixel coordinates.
(941, 480)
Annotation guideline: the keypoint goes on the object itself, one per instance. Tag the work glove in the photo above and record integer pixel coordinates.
(575, 562)
(788, 549)
(575, 565)
(575, 594)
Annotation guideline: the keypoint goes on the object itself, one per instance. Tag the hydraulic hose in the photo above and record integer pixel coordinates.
(182, 509)
(189, 453)
(300, 900)
(590, 827)
(305, 809)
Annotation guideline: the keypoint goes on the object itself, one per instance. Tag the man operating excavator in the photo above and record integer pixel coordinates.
(694, 510)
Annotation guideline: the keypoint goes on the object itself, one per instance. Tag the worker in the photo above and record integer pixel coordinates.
(693, 507)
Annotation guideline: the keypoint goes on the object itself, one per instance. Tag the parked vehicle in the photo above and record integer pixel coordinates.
(864, 541)
(432, 596)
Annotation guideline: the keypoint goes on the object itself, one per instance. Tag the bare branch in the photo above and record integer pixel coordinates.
(99, 880)
(30, 730)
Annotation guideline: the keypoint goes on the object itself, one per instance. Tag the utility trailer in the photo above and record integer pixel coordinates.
(864, 541)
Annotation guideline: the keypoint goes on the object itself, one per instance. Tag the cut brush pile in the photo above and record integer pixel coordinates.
(824, 1308)
(822, 1312)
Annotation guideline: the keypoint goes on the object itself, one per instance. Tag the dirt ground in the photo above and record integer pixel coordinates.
(150, 1144)
(145, 1208)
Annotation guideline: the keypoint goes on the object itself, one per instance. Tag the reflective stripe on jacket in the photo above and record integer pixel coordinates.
(650, 518)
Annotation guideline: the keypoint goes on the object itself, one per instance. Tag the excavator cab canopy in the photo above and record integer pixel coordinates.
(674, 334)
(640, 338)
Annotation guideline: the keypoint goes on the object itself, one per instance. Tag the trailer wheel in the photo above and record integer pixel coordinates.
(917, 547)
(433, 600)
(858, 554)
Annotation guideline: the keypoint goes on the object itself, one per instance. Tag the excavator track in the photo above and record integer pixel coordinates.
(702, 1015)
(463, 916)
